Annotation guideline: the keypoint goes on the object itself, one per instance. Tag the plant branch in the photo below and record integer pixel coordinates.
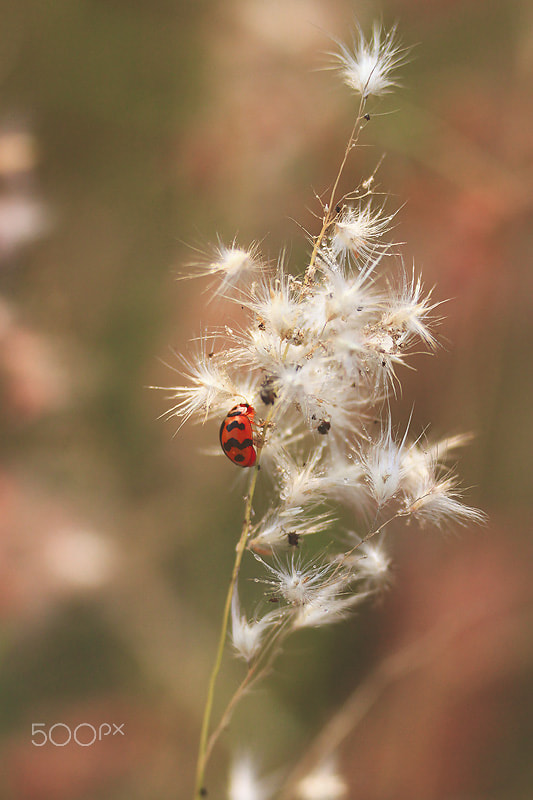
(329, 209)
(393, 668)
(199, 790)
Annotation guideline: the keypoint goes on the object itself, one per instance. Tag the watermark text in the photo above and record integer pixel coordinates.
(59, 734)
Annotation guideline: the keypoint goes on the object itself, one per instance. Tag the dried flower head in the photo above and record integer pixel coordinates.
(247, 637)
(244, 783)
(314, 363)
(368, 67)
(437, 503)
(323, 783)
(230, 266)
(359, 231)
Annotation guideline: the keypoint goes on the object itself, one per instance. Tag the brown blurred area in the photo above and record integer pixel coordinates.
(129, 133)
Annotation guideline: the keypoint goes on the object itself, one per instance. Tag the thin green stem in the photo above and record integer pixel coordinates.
(199, 790)
(204, 748)
(254, 674)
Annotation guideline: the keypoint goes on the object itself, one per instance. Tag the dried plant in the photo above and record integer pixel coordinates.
(298, 391)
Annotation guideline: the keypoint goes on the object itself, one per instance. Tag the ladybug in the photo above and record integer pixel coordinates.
(237, 436)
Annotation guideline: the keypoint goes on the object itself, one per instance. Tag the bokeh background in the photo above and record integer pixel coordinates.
(130, 132)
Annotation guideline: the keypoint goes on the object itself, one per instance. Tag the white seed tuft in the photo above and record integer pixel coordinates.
(368, 67)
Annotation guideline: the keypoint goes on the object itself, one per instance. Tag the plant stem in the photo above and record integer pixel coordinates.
(199, 790)
(254, 674)
(395, 667)
(329, 209)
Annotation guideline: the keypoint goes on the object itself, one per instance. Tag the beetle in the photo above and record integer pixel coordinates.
(237, 436)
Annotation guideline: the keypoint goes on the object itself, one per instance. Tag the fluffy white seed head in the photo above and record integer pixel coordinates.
(369, 66)
(244, 783)
(328, 606)
(384, 466)
(437, 503)
(344, 479)
(209, 386)
(424, 462)
(407, 312)
(298, 583)
(316, 593)
(286, 527)
(303, 482)
(247, 637)
(212, 388)
(344, 297)
(359, 231)
(323, 783)
(274, 302)
(374, 561)
(231, 266)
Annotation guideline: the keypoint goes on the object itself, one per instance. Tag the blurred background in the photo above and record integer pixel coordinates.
(130, 132)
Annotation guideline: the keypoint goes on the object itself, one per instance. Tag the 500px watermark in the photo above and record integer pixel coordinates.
(83, 734)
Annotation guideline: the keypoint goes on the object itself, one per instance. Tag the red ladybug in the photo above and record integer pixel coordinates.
(237, 436)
